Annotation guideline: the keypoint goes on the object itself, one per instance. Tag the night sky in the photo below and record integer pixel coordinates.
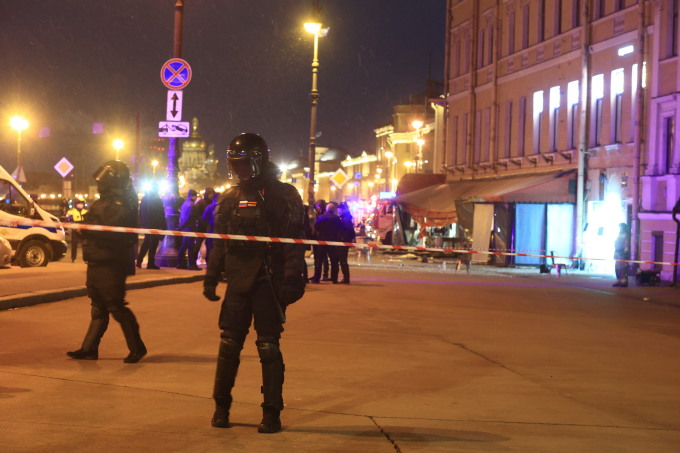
(69, 63)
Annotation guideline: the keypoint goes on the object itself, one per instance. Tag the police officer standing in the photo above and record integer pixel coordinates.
(76, 214)
(107, 256)
(263, 278)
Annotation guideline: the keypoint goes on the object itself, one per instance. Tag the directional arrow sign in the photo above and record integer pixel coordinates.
(174, 107)
(173, 129)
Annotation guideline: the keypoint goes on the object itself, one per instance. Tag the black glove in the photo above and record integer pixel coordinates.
(291, 290)
(210, 294)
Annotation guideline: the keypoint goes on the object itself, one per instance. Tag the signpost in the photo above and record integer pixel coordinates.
(173, 129)
(173, 110)
(176, 74)
(64, 167)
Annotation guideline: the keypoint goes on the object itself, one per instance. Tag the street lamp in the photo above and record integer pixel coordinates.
(19, 123)
(389, 155)
(419, 160)
(154, 164)
(118, 144)
(315, 29)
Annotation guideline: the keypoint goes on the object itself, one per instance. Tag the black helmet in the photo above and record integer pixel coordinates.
(247, 155)
(111, 175)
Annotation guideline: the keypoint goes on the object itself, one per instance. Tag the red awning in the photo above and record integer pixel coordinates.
(436, 205)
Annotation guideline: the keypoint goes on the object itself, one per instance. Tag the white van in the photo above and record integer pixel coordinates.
(31, 246)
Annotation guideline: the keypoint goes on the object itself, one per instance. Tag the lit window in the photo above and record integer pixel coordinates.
(538, 102)
(572, 93)
(617, 81)
(623, 51)
(554, 98)
(598, 86)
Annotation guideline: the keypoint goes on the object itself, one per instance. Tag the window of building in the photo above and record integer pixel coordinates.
(671, 43)
(554, 116)
(456, 58)
(597, 95)
(538, 120)
(619, 5)
(575, 13)
(617, 103)
(598, 9)
(486, 134)
(669, 142)
(489, 44)
(657, 248)
(466, 57)
(508, 129)
(540, 22)
(477, 147)
(557, 18)
(511, 33)
(451, 159)
(525, 26)
(462, 154)
(480, 49)
(522, 126)
(573, 96)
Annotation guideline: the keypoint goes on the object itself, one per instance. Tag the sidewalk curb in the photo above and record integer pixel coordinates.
(45, 296)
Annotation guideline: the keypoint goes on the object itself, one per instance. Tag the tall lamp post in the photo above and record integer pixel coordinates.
(154, 164)
(118, 144)
(315, 29)
(419, 159)
(19, 123)
(389, 155)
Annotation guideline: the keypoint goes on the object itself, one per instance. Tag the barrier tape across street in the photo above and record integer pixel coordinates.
(237, 237)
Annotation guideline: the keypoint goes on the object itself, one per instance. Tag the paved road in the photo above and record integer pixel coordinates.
(398, 361)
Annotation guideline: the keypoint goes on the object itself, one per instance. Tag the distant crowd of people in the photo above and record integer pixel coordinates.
(334, 222)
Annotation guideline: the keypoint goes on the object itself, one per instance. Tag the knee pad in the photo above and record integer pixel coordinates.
(230, 347)
(268, 349)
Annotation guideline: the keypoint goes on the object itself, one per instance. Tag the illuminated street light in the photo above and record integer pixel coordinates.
(118, 144)
(154, 164)
(316, 29)
(19, 124)
(417, 124)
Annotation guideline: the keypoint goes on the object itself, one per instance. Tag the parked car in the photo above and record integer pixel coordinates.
(5, 252)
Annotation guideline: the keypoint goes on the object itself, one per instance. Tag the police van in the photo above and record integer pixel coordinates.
(31, 246)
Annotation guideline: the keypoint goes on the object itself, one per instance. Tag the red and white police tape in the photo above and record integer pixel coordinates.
(237, 237)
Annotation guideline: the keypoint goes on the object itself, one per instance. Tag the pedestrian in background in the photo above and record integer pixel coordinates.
(328, 228)
(209, 221)
(107, 256)
(151, 216)
(622, 252)
(188, 216)
(201, 226)
(76, 215)
(347, 234)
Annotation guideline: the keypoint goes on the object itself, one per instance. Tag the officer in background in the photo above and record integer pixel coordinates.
(151, 216)
(107, 256)
(263, 278)
(622, 252)
(76, 215)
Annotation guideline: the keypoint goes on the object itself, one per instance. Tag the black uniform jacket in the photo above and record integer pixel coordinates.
(115, 208)
(262, 206)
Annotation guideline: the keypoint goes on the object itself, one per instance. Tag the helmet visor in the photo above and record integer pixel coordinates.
(241, 167)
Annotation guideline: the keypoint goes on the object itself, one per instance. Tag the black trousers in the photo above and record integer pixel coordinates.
(240, 309)
(150, 245)
(75, 240)
(326, 252)
(343, 252)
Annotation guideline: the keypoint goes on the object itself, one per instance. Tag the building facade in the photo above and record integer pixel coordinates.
(583, 89)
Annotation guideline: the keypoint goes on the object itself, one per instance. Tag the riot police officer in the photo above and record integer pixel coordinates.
(263, 278)
(107, 255)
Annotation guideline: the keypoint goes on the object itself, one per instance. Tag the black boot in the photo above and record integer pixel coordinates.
(128, 323)
(90, 348)
(271, 421)
(225, 376)
(272, 385)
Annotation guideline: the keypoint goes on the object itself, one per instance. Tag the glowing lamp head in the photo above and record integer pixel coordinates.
(313, 27)
(417, 124)
(18, 123)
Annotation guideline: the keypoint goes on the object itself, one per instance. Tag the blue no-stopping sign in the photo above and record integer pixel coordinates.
(176, 74)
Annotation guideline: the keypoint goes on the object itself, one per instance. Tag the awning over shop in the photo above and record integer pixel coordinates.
(436, 205)
(411, 182)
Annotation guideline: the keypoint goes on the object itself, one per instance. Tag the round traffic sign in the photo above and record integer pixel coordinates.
(176, 74)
